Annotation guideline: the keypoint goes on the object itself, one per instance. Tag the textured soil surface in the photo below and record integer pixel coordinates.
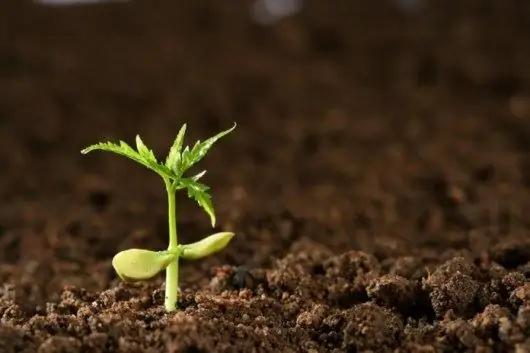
(378, 180)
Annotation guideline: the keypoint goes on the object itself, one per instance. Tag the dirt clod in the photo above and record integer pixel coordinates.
(394, 292)
(363, 327)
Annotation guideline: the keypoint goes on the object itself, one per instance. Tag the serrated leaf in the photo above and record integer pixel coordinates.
(174, 157)
(200, 149)
(199, 192)
(144, 151)
(123, 149)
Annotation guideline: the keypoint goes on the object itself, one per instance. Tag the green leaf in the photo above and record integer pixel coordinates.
(145, 152)
(173, 159)
(207, 246)
(143, 156)
(200, 149)
(199, 192)
(139, 265)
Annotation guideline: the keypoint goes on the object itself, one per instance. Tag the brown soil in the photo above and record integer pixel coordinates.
(378, 182)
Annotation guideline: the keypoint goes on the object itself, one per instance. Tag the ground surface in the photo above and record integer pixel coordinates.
(378, 181)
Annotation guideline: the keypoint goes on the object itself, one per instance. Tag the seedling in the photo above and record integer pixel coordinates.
(141, 264)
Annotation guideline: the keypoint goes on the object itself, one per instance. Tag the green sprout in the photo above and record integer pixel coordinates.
(140, 264)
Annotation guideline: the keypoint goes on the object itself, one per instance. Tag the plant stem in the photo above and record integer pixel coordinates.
(172, 271)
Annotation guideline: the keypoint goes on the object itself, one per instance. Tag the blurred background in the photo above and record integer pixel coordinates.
(380, 123)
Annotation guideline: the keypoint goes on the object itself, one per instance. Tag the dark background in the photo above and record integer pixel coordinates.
(361, 126)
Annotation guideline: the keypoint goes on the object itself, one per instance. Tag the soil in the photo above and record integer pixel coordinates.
(378, 180)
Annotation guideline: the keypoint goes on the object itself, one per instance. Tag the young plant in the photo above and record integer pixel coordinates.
(141, 264)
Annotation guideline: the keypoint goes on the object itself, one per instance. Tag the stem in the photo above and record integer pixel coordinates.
(172, 271)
